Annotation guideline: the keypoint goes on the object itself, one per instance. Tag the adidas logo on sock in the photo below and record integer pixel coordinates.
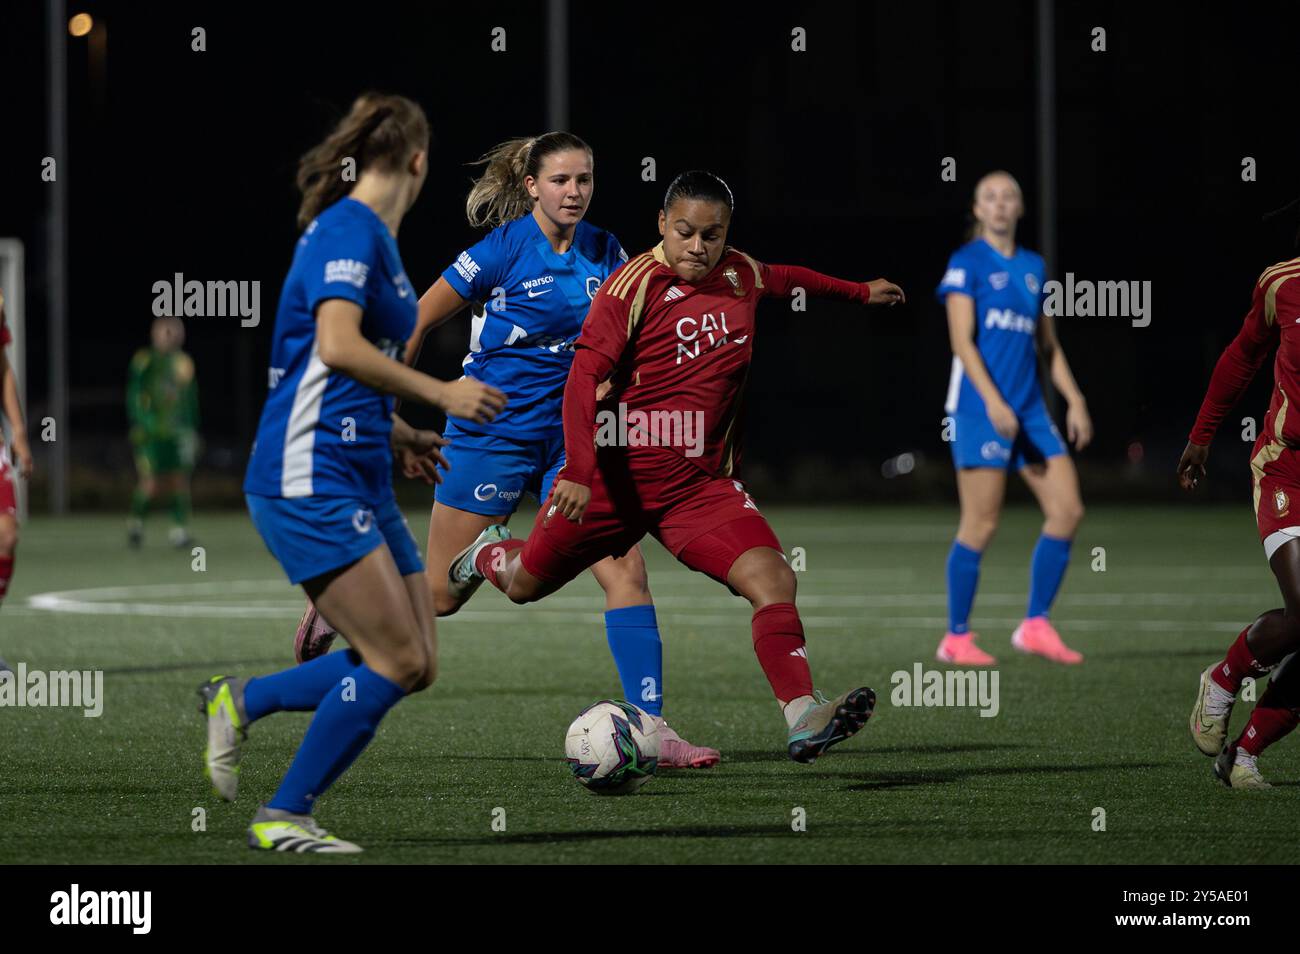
(801, 652)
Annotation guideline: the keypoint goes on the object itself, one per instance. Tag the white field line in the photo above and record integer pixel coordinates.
(132, 601)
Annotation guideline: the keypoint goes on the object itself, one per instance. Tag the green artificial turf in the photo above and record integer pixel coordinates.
(918, 785)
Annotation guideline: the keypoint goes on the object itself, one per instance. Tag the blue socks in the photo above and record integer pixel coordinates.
(638, 654)
(345, 722)
(963, 577)
(298, 689)
(1046, 571)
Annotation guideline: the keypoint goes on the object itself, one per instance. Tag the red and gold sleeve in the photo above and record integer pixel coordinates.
(782, 280)
(1235, 368)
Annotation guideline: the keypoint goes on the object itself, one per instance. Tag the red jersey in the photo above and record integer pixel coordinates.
(1274, 316)
(679, 355)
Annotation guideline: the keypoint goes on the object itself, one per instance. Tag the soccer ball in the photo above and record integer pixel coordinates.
(612, 747)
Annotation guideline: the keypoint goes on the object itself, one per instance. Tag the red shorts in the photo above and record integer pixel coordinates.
(1275, 470)
(706, 522)
(8, 502)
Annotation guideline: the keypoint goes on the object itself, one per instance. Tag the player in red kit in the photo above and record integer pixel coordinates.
(20, 455)
(673, 332)
(1274, 637)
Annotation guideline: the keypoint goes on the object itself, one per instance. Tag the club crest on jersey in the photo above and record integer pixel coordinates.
(1281, 503)
(733, 276)
(1031, 282)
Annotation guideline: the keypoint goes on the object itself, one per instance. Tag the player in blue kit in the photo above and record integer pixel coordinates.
(532, 278)
(319, 482)
(993, 292)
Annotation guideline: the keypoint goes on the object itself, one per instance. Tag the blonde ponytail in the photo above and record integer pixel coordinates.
(498, 195)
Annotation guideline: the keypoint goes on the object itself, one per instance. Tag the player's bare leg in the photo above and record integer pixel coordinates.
(980, 491)
(815, 723)
(627, 584)
(1275, 636)
(624, 580)
(451, 530)
(1055, 483)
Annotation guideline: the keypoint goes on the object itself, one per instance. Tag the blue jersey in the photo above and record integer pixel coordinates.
(1008, 300)
(533, 305)
(323, 433)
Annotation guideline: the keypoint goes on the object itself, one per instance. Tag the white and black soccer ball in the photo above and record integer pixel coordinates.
(612, 747)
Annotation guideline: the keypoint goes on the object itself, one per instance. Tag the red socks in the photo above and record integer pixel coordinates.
(1269, 722)
(6, 572)
(779, 645)
(493, 557)
(1237, 665)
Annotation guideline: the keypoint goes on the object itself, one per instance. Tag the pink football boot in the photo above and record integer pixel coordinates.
(314, 636)
(960, 650)
(1037, 636)
(676, 752)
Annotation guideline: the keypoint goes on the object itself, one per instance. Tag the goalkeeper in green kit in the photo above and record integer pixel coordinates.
(162, 405)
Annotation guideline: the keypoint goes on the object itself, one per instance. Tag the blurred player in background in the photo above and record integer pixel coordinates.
(19, 455)
(162, 405)
(993, 291)
(534, 276)
(1273, 638)
(674, 331)
(320, 491)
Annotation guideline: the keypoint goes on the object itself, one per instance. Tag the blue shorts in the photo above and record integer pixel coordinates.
(314, 535)
(976, 444)
(490, 474)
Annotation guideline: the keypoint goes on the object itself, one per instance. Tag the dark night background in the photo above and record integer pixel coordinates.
(183, 162)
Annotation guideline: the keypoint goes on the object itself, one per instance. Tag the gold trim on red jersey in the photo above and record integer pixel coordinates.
(1273, 269)
(629, 273)
(1267, 455)
(1276, 278)
(638, 304)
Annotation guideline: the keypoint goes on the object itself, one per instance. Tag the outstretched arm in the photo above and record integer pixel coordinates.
(782, 280)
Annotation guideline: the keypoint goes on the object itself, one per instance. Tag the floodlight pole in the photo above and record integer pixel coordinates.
(1045, 69)
(56, 251)
(557, 64)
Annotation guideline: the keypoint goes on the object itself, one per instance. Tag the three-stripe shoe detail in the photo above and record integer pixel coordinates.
(276, 830)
